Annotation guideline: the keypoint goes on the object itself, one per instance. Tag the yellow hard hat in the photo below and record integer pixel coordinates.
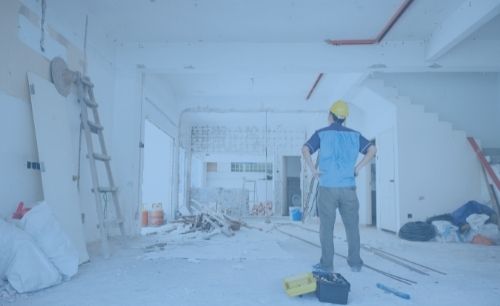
(340, 109)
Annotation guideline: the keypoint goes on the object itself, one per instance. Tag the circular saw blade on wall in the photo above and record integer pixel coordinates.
(62, 77)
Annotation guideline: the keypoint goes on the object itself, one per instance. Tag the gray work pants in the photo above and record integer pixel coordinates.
(346, 200)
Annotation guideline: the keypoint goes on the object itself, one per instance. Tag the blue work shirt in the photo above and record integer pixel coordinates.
(339, 148)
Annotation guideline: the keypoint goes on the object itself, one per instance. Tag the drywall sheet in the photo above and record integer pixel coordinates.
(17, 183)
(55, 152)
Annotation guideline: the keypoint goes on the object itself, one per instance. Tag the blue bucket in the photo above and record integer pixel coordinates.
(295, 213)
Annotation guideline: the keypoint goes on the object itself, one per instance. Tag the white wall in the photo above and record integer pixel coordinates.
(379, 115)
(16, 59)
(138, 96)
(468, 100)
(125, 97)
(436, 169)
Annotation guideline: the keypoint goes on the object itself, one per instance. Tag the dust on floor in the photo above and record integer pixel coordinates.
(248, 269)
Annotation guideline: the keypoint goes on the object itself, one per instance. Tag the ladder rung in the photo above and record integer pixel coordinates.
(101, 157)
(106, 189)
(86, 81)
(94, 127)
(90, 103)
(113, 222)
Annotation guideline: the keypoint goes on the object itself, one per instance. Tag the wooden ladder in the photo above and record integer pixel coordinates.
(87, 102)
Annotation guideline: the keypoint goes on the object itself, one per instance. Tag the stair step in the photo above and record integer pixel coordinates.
(433, 116)
(390, 92)
(401, 101)
(101, 157)
(491, 151)
(494, 160)
(460, 134)
(374, 83)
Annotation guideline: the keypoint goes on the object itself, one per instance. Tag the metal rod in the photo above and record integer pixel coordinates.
(377, 250)
(412, 262)
(390, 275)
(396, 261)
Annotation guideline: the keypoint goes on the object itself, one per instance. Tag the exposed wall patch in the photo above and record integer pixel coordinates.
(29, 26)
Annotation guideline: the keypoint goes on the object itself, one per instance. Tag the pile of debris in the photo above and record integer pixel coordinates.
(262, 209)
(473, 222)
(209, 221)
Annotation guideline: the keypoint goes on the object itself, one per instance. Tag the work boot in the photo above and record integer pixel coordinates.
(320, 269)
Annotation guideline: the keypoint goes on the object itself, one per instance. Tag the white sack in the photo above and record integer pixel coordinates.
(42, 225)
(489, 231)
(22, 263)
(446, 232)
(477, 220)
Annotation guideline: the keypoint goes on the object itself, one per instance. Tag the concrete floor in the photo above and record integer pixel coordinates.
(248, 269)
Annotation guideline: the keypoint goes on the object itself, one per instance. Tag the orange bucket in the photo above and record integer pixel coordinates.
(156, 216)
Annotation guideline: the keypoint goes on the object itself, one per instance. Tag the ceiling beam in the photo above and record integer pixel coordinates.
(469, 17)
(245, 58)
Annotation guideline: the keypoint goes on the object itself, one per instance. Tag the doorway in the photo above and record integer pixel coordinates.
(292, 196)
(157, 169)
(387, 210)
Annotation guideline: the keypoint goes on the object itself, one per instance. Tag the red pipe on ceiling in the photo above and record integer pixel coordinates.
(314, 85)
(380, 36)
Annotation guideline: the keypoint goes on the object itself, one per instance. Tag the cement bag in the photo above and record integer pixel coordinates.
(42, 225)
(22, 263)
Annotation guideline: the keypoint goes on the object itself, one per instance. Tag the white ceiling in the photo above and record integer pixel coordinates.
(241, 20)
(284, 85)
(257, 92)
(276, 21)
(422, 18)
(272, 25)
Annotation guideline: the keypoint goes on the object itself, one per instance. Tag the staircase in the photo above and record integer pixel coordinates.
(436, 169)
(492, 155)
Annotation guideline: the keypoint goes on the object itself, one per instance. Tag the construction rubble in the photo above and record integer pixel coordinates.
(203, 220)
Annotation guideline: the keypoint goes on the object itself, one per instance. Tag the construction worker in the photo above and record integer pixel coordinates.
(339, 148)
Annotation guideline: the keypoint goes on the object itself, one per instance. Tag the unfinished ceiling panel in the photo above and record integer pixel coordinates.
(248, 21)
